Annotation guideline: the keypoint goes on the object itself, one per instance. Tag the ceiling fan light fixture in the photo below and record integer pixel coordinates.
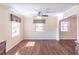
(38, 17)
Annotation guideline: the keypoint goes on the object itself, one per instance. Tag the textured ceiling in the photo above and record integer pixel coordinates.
(49, 8)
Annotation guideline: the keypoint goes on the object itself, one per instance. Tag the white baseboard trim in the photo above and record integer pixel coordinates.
(40, 38)
(13, 46)
(68, 38)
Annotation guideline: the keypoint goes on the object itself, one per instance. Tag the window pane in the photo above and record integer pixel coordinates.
(39, 27)
(64, 26)
(15, 28)
(65, 29)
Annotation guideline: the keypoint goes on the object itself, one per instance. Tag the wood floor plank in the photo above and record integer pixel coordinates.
(44, 47)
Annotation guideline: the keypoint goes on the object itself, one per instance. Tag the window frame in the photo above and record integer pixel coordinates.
(67, 26)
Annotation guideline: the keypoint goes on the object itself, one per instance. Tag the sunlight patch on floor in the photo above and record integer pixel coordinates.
(17, 53)
(30, 44)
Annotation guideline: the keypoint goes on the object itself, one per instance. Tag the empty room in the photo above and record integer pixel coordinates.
(39, 29)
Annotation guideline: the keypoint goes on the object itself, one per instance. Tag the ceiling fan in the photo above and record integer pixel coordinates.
(42, 14)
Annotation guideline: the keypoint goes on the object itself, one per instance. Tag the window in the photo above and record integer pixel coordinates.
(15, 28)
(64, 26)
(39, 27)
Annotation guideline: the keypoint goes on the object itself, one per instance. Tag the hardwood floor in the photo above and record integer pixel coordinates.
(44, 47)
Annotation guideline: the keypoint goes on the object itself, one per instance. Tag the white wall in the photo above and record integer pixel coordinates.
(13, 41)
(73, 11)
(77, 27)
(49, 32)
(3, 13)
(5, 28)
